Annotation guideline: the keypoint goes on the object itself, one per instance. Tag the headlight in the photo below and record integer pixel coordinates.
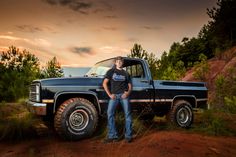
(34, 94)
(37, 92)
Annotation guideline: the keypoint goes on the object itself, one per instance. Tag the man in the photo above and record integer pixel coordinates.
(120, 89)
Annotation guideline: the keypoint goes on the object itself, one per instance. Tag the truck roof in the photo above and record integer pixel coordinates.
(125, 59)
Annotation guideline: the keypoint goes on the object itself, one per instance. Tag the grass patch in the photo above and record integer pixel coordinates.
(139, 127)
(208, 122)
(214, 122)
(16, 123)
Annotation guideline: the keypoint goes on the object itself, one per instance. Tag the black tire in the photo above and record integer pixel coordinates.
(75, 119)
(181, 114)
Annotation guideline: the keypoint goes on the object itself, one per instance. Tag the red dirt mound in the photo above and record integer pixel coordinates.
(217, 65)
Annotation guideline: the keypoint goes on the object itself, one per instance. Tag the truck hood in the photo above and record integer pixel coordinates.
(71, 81)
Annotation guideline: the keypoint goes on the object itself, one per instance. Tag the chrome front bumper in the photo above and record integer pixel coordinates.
(37, 108)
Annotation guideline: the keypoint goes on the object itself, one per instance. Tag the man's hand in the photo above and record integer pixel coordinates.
(112, 96)
(125, 95)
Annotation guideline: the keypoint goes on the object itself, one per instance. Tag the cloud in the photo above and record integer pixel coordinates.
(112, 50)
(34, 29)
(81, 50)
(35, 42)
(110, 28)
(133, 40)
(9, 37)
(84, 6)
(76, 5)
(111, 16)
(151, 27)
(51, 2)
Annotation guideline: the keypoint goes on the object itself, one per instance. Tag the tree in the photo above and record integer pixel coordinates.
(53, 69)
(138, 52)
(222, 28)
(18, 69)
(201, 68)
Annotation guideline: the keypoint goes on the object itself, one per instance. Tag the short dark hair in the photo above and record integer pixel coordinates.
(119, 58)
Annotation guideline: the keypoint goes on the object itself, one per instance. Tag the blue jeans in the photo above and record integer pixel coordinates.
(112, 132)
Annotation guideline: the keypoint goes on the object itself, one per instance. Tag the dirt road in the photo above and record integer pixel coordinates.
(163, 143)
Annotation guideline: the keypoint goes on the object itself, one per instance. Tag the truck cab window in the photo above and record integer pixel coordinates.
(135, 71)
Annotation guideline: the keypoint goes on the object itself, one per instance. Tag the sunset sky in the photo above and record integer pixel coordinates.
(81, 32)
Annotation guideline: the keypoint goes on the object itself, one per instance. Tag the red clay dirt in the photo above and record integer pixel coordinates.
(159, 143)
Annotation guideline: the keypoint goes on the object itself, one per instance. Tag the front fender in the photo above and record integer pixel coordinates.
(61, 93)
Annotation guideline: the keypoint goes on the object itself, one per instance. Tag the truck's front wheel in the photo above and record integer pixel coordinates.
(181, 114)
(76, 118)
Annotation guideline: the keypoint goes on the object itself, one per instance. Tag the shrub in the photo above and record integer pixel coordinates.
(214, 122)
(225, 92)
(201, 68)
(230, 104)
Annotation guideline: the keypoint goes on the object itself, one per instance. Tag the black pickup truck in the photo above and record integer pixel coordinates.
(76, 103)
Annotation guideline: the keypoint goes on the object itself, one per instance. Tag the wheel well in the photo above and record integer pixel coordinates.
(191, 100)
(65, 97)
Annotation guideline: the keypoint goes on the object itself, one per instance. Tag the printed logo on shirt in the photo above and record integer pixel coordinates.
(116, 77)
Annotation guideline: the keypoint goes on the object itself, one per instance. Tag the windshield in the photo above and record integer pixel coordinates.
(101, 68)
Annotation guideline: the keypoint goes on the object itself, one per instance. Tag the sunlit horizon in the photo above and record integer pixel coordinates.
(80, 36)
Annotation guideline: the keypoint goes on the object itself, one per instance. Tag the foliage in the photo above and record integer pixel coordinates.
(221, 30)
(225, 92)
(53, 69)
(214, 122)
(138, 52)
(18, 69)
(201, 68)
(230, 103)
(214, 37)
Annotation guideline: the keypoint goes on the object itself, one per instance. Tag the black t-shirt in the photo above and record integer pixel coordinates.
(119, 80)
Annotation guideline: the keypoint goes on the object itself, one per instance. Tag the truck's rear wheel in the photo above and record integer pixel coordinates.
(76, 118)
(181, 114)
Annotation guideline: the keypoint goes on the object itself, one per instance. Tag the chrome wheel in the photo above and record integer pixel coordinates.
(184, 115)
(78, 120)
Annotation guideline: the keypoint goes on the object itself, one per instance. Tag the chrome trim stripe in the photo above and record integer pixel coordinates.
(149, 100)
(102, 101)
(142, 100)
(203, 99)
(163, 100)
(99, 90)
(73, 86)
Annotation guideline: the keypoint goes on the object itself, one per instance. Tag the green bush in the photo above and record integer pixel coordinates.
(201, 68)
(230, 104)
(225, 92)
(214, 122)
